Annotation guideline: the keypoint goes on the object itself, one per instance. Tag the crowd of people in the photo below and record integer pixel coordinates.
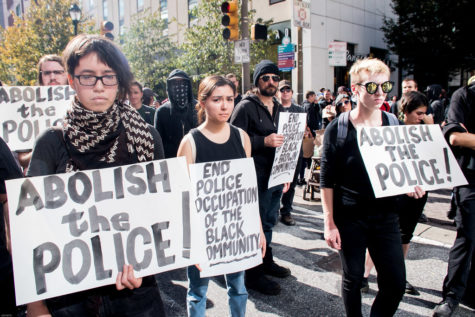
(113, 120)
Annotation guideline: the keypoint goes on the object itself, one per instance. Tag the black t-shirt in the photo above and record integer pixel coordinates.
(8, 170)
(343, 169)
(147, 113)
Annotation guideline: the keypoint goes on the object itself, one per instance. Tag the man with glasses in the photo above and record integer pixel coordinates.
(286, 93)
(258, 115)
(50, 73)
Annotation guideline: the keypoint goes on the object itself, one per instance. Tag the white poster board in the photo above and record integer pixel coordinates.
(397, 158)
(337, 54)
(27, 111)
(292, 126)
(227, 203)
(75, 231)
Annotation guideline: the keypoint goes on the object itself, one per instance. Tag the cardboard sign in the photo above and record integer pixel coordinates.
(398, 158)
(27, 111)
(227, 203)
(75, 231)
(292, 126)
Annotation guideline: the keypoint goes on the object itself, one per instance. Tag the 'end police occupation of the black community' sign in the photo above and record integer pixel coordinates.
(292, 127)
(226, 200)
(75, 231)
(27, 111)
(398, 158)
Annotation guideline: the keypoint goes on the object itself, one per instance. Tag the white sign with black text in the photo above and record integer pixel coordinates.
(75, 231)
(26, 111)
(398, 158)
(292, 126)
(227, 203)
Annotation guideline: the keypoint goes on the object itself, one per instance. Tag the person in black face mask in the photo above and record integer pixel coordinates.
(176, 117)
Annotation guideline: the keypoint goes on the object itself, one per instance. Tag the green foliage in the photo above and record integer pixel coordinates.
(46, 28)
(431, 37)
(151, 54)
(205, 52)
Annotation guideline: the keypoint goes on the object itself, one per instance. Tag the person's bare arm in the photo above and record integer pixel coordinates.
(331, 233)
(466, 140)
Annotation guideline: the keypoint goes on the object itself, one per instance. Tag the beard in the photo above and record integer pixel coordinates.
(268, 91)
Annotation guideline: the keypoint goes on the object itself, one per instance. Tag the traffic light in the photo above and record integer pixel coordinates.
(259, 32)
(106, 29)
(230, 20)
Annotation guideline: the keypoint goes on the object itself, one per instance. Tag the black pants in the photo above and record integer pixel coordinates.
(288, 197)
(460, 256)
(379, 233)
(106, 301)
(409, 210)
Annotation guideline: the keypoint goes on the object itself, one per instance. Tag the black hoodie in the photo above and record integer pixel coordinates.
(173, 121)
(253, 117)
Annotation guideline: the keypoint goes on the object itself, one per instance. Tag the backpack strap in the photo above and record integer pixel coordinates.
(342, 128)
(391, 118)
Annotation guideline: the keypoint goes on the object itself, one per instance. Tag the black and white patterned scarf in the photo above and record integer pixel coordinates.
(96, 134)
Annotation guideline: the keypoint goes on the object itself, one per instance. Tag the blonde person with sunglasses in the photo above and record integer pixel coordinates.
(354, 220)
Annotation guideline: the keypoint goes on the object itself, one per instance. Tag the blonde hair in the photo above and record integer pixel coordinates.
(370, 65)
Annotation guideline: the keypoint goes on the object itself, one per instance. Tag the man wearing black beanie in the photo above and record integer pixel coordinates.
(258, 115)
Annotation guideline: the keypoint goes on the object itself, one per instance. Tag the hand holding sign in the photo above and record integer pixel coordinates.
(274, 140)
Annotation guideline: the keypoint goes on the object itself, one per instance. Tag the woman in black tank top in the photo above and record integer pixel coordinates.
(214, 140)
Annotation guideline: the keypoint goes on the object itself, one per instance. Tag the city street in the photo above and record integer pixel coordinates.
(314, 287)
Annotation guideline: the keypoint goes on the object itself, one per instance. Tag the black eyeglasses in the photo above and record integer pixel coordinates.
(372, 87)
(342, 102)
(49, 72)
(285, 89)
(89, 80)
(266, 78)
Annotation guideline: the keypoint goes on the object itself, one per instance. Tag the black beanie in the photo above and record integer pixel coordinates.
(264, 67)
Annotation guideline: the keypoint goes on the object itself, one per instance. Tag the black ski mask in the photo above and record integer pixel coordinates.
(179, 93)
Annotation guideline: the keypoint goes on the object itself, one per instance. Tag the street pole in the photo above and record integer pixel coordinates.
(299, 66)
(75, 27)
(246, 81)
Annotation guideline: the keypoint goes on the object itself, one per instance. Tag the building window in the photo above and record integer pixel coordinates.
(139, 5)
(18, 10)
(105, 10)
(121, 9)
(191, 17)
(164, 11)
(91, 4)
(275, 1)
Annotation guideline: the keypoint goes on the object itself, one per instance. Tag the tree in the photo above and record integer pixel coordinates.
(46, 28)
(432, 38)
(151, 54)
(205, 52)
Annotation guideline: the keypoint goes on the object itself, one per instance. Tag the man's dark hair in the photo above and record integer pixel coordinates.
(309, 93)
(136, 83)
(107, 52)
(48, 58)
(412, 100)
(410, 79)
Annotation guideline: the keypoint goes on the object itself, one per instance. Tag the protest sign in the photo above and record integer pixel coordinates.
(226, 200)
(27, 111)
(292, 126)
(398, 158)
(75, 231)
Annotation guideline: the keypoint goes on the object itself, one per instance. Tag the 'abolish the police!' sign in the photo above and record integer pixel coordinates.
(292, 126)
(226, 200)
(75, 231)
(27, 111)
(398, 158)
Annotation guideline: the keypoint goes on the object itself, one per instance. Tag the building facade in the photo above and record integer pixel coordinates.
(7, 7)
(356, 22)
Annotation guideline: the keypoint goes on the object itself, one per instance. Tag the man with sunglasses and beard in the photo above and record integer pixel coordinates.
(258, 115)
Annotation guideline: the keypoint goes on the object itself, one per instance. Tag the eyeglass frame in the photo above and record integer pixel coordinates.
(377, 86)
(343, 102)
(101, 78)
(285, 89)
(266, 78)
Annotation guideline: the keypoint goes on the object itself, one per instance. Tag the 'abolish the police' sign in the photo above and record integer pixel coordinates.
(226, 200)
(398, 158)
(27, 111)
(75, 231)
(292, 126)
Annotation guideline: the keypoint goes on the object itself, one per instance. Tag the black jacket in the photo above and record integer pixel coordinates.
(253, 117)
(462, 111)
(314, 116)
(173, 122)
